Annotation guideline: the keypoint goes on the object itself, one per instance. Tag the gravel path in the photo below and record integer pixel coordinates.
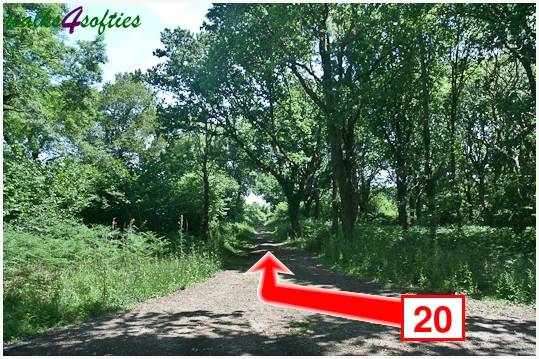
(223, 316)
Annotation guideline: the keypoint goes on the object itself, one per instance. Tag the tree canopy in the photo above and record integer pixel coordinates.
(325, 107)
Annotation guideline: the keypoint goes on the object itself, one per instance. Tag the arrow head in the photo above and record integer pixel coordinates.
(269, 262)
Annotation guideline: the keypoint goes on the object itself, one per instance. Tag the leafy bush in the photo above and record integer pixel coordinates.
(255, 215)
(384, 210)
(63, 188)
(233, 238)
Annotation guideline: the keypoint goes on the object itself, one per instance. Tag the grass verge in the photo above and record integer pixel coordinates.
(50, 281)
(480, 261)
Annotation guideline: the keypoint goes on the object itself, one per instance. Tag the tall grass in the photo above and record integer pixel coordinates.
(477, 260)
(66, 272)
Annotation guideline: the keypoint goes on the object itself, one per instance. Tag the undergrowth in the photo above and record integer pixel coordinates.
(480, 261)
(61, 272)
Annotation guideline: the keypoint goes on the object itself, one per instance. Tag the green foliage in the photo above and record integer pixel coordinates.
(62, 272)
(128, 118)
(62, 188)
(278, 222)
(161, 200)
(478, 261)
(280, 211)
(255, 215)
(49, 100)
(234, 238)
(383, 208)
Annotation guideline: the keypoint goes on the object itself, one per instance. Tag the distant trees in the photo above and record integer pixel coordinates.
(401, 73)
(109, 154)
(256, 108)
(329, 102)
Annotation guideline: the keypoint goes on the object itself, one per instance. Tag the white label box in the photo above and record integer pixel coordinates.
(433, 317)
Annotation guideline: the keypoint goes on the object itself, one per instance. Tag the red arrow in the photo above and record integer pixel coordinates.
(370, 308)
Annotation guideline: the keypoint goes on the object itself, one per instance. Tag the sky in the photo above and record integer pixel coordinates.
(130, 49)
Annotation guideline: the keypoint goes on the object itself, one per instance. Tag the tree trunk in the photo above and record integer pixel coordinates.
(205, 225)
(239, 206)
(293, 214)
(412, 208)
(452, 134)
(308, 204)
(529, 73)
(481, 192)
(417, 205)
(452, 130)
(427, 151)
(402, 191)
(469, 199)
(316, 205)
(344, 171)
(364, 195)
(334, 206)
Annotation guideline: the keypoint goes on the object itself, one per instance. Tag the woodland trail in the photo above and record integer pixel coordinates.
(223, 316)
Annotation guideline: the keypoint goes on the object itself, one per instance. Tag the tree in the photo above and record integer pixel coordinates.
(333, 73)
(265, 113)
(510, 27)
(127, 118)
(48, 93)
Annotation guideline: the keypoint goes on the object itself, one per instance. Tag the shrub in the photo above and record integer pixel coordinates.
(235, 237)
(255, 214)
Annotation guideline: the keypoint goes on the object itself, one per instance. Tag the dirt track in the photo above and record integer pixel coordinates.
(223, 316)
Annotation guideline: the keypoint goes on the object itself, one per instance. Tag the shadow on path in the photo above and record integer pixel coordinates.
(224, 317)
